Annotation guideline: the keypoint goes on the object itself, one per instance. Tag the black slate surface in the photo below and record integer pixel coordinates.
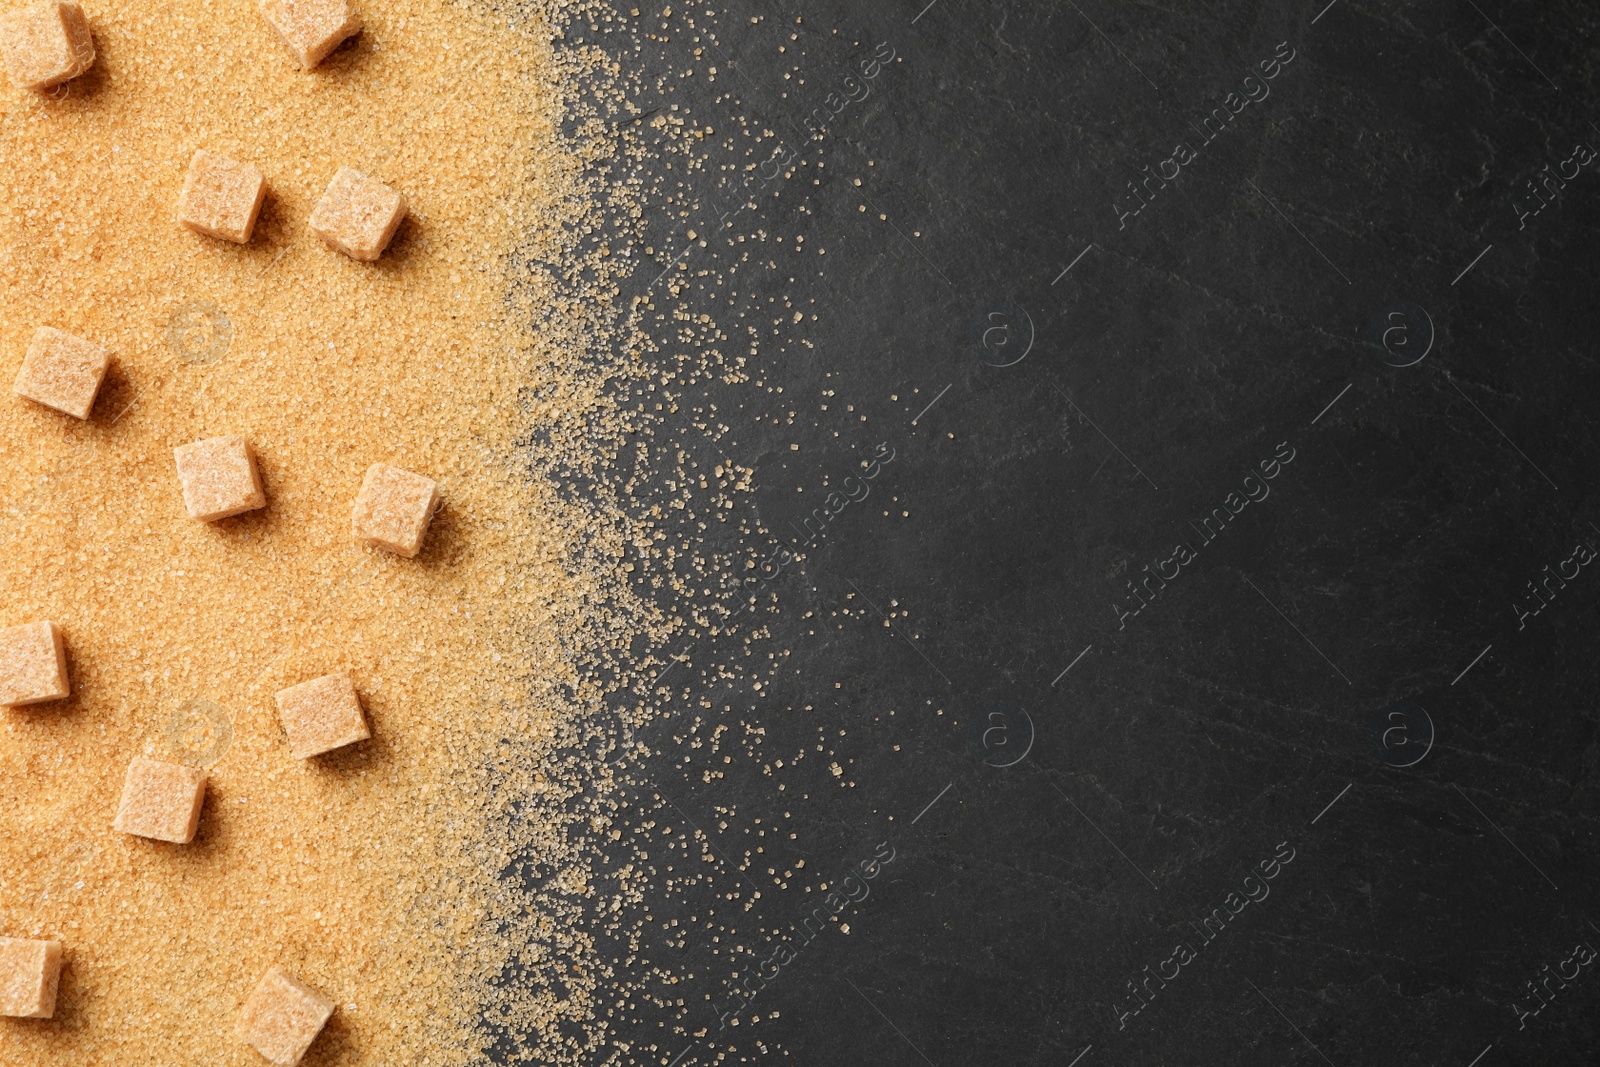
(1352, 720)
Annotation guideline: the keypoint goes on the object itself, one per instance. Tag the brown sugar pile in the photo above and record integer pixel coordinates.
(365, 870)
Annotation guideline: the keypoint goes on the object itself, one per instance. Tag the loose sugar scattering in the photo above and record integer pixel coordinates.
(373, 871)
(485, 347)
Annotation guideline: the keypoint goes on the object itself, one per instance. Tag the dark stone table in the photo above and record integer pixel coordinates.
(1170, 562)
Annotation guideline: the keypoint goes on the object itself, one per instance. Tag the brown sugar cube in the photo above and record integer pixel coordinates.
(219, 478)
(311, 28)
(221, 197)
(62, 371)
(393, 509)
(29, 974)
(282, 1017)
(33, 664)
(46, 44)
(358, 215)
(321, 715)
(161, 800)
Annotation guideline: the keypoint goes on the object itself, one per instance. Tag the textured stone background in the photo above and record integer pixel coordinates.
(1067, 394)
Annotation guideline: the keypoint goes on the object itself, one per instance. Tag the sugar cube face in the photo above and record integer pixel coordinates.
(33, 664)
(221, 197)
(357, 214)
(321, 715)
(311, 28)
(219, 478)
(161, 800)
(62, 371)
(29, 974)
(46, 44)
(282, 1017)
(394, 508)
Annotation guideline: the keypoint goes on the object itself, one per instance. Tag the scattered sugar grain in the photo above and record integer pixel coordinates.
(431, 352)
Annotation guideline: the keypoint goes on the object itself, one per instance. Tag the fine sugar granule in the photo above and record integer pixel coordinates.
(474, 351)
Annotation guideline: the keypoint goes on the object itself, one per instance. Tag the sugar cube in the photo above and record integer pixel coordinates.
(221, 197)
(29, 974)
(46, 44)
(393, 509)
(33, 664)
(62, 371)
(161, 800)
(311, 28)
(282, 1017)
(321, 715)
(358, 215)
(219, 478)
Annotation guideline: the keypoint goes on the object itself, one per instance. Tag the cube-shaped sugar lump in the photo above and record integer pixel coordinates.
(311, 28)
(321, 715)
(282, 1017)
(221, 197)
(219, 478)
(46, 44)
(62, 371)
(161, 800)
(29, 974)
(358, 215)
(393, 509)
(33, 664)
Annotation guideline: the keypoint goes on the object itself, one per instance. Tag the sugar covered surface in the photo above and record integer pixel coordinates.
(362, 870)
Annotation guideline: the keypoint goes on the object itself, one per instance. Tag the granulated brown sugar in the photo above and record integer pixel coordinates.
(374, 871)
